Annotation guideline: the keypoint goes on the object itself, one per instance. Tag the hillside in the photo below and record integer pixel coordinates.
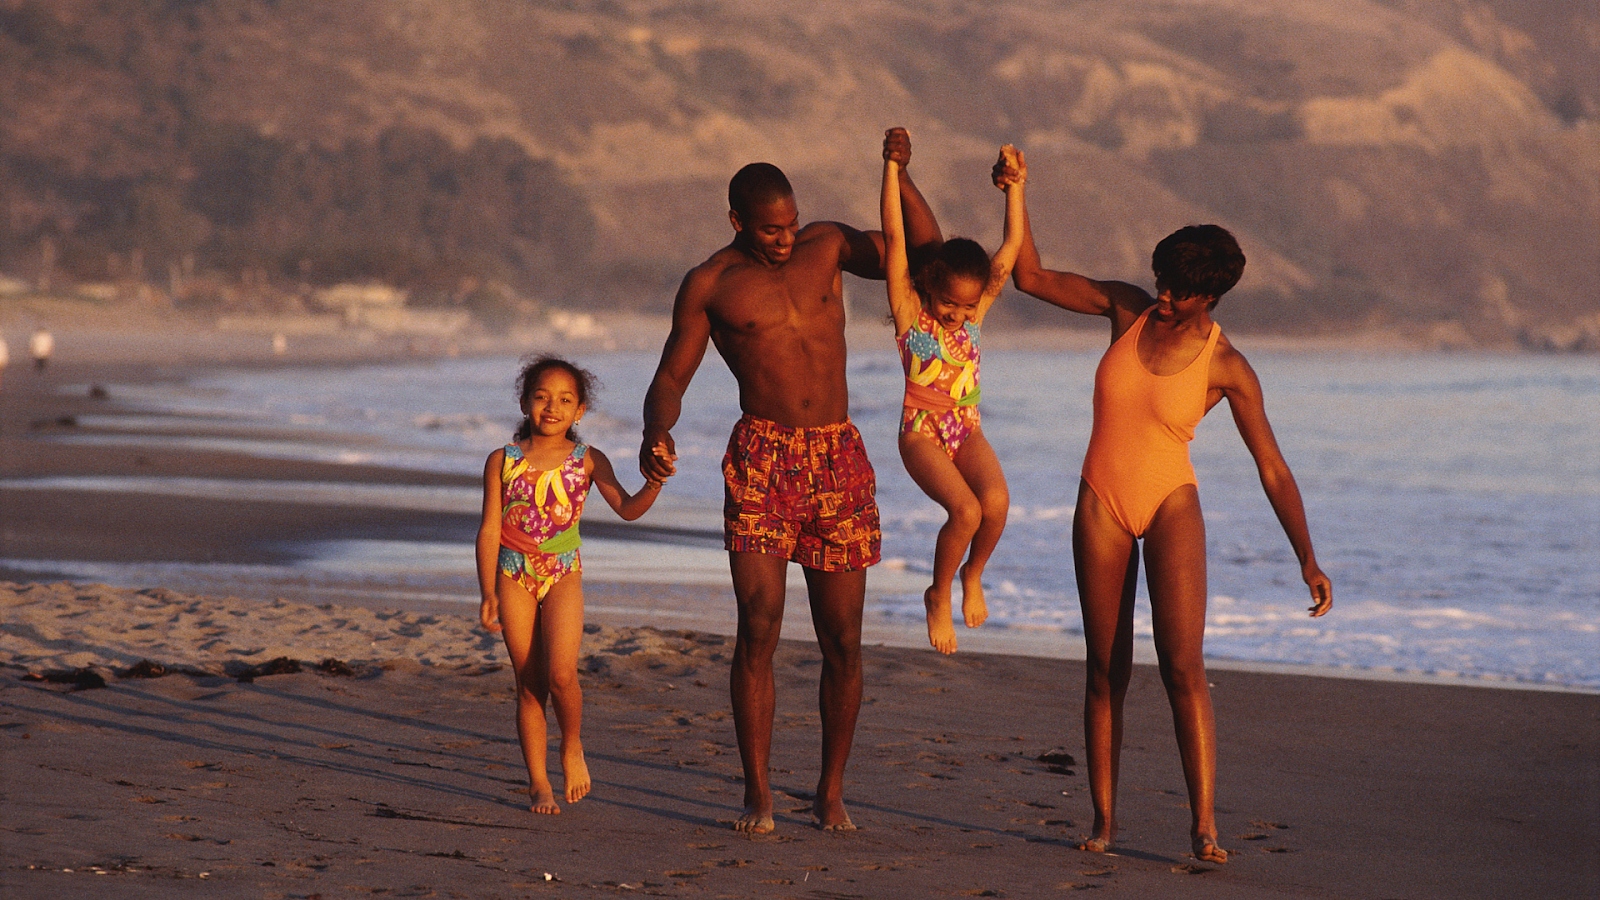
(1406, 164)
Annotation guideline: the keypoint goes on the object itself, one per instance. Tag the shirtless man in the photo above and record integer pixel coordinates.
(798, 483)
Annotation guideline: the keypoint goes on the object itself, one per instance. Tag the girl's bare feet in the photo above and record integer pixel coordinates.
(544, 800)
(575, 771)
(973, 608)
(941, 633)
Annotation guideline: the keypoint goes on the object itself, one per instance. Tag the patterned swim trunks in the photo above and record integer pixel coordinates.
(806, 494)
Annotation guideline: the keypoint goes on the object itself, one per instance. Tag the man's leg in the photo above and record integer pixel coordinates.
(758, 587)
(836, 602)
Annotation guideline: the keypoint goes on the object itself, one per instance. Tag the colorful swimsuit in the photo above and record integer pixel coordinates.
(806, 494)
(941, 381)
(1139, 448)
(539, 512)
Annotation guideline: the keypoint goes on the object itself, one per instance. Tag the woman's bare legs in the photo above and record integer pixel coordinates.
(1107, 562)
(1175, 570)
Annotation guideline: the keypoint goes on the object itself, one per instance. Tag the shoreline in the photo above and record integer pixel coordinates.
(31, 409)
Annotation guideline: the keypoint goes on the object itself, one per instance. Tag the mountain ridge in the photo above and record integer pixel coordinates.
(1406, 164)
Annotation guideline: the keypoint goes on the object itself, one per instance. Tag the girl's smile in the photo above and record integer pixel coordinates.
(553, 404)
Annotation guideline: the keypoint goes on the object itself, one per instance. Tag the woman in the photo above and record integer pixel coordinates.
(1168, 364)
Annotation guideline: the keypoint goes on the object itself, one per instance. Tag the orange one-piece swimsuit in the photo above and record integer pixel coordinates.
(1139, 447)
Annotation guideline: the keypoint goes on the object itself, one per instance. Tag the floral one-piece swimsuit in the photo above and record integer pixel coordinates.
(539, 512)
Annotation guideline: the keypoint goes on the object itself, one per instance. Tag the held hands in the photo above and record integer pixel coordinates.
(658, 457)
(1010, 169)
(660, 452)
(1321, 588)
(897, 146)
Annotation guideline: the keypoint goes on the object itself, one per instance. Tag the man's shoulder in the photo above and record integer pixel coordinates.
(823, 231)
(712, 269)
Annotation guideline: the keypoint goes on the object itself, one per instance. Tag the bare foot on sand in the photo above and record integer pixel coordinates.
(973, 608)
(831, 816)
(755, 821)
(941, 634)
(1104, 836)
(575, 771)
(544, 800)
(1206, 850)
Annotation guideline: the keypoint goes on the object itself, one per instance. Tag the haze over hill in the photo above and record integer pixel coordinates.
(1414, 164)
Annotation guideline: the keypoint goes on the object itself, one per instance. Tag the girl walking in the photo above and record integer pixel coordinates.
(529, 572)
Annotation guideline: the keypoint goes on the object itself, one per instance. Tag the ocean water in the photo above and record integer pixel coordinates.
(1453, 498)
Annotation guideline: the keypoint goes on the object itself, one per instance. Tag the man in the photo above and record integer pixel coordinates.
(799, 486)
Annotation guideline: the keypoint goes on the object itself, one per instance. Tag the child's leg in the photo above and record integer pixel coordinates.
(1175, 568)
(560, 640)
(519, 618)
(981, 469)
(937, 475)
(1107, 561)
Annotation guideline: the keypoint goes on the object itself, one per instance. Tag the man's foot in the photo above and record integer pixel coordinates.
(575, 771)
(973, 608)
(1206, 850)
(755, 821)
(941, 634)
(543, 800)
(831, 816)
(1096, 845)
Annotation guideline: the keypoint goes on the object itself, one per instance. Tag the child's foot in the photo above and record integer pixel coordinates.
(941, 633)
(575, 771)
(832, 816)
(1206, 850)
(544, 800)
(973, 608)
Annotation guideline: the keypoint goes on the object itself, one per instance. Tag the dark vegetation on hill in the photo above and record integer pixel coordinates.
(1427, 166)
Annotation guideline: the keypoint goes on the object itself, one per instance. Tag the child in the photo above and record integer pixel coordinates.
(1168, 364)
(937, 316)
(529, 574)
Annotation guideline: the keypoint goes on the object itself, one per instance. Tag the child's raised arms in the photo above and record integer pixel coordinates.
(903, 300)
(1005, 258)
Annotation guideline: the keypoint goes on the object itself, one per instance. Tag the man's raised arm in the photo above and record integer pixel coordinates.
(866, 247)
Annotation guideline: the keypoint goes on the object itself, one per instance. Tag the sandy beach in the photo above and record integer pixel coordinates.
(155, 743)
